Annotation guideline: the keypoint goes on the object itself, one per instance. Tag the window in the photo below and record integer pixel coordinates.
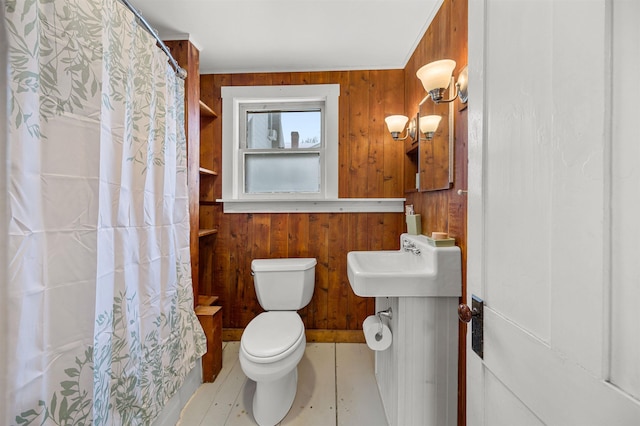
(282, 142)
(282, 148)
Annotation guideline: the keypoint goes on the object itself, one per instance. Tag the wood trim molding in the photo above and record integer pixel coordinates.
(319, 336)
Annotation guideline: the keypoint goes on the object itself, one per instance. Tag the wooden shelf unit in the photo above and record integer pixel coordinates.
(208, 174)
(200, 176)
(210, 316)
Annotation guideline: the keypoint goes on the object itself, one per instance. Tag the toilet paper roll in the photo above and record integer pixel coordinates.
(371, 328)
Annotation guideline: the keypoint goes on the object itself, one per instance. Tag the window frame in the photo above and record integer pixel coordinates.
(235, 98)
(244, 151)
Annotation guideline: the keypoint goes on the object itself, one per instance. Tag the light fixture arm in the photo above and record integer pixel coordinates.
(396, 135)
(437, 94)
(410, 131)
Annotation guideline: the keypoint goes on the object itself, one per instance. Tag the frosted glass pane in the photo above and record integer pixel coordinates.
(284, 129)
(273, 173)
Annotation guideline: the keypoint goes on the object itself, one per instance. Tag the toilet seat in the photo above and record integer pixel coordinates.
(272, 336)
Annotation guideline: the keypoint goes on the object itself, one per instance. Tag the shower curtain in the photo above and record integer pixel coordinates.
(4, 275)
(101, 327)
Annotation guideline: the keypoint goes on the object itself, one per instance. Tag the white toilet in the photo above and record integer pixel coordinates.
(273, 343)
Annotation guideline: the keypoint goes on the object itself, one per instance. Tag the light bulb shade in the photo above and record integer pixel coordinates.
(396, 123)
(429, 123)
(436, 75)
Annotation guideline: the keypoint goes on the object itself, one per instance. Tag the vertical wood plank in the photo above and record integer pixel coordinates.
(358, 240)
(278, 241)
(300, 78)
(338, 286)
(358, 133)
(375, 157)
(392, 167)
(344, 144)
(298, 236)
(244, 300)
(318, 244)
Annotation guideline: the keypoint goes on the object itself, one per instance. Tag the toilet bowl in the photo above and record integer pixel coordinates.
(273, 343)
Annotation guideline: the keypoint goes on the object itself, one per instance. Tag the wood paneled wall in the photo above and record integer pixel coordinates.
(445, 210)
(446, 38)
(371, 165)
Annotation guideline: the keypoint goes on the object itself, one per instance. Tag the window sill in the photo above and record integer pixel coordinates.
(340, 205)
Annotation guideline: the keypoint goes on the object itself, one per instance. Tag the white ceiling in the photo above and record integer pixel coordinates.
(237, 36)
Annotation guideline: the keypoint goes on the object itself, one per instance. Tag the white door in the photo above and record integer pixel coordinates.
(554, 211)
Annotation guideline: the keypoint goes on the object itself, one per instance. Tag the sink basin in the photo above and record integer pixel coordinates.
(433, 272)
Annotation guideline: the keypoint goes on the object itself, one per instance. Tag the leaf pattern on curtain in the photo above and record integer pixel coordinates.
(88, 60)
(52, 37)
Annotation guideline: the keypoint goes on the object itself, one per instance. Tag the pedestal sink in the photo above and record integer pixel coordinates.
(418, 269)
(418, 375)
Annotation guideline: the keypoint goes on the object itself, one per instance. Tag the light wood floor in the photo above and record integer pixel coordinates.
(336, 386)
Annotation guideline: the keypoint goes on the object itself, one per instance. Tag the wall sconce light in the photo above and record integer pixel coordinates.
(396, 124)
(436, 77)
(428, 125)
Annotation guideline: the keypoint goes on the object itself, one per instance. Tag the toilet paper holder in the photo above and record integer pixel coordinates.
(388, 313)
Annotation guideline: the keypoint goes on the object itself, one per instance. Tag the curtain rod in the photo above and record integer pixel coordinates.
(180, 72)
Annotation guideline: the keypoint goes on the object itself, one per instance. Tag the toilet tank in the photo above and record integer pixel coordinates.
(284, 284)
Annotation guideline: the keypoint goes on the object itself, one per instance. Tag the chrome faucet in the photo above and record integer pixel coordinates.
(410, 246)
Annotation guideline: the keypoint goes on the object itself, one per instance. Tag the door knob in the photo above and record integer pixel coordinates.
(474, 314)
(465, 313)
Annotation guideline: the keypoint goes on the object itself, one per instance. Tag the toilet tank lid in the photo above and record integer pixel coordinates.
(283, 264)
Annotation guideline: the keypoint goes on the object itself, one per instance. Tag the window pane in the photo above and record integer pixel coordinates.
(274, 173)
(284, 129)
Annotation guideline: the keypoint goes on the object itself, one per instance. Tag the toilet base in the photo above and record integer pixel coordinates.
(273, 399)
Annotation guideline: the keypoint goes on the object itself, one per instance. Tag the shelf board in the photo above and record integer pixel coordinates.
(206, 232)
(413, 150)
(209, 172)
(207, 310)
(204, 300)
(206, 111)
